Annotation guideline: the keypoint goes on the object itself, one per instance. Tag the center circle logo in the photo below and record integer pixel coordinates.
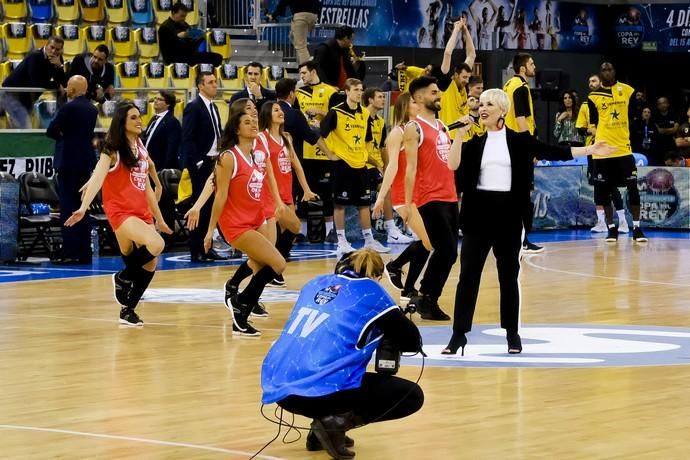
(557, 345)
(443, 146)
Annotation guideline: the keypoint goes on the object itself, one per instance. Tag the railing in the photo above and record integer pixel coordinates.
(238, 13)
(278, 37)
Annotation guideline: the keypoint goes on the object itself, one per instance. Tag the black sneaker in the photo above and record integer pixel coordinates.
(240, 315)
(129, 318)
(230, 291)
(406, 296)
(332, 237)
(394, 275)
(122, 289)
(248, 331)
(531, 248)
(428, 308)
(278, 281)
(612, 235)
(314, 445)
(301, 239)
(638, 236)
(259, 311)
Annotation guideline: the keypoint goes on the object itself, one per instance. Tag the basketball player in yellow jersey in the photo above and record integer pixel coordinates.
(315, 98)
(346, 130)
(587, 129)
(520, 118)
(609, 111)
(454, 98)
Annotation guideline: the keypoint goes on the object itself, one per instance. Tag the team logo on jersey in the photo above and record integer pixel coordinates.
(139, 175)
(442, 146)
(255, 184)
(284, 161)
(327, 295)
(260, 159)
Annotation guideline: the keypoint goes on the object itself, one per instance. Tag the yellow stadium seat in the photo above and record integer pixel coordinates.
(74, 40)
(146, 114)
(117, 10)
(40, 32)
(203, 68)
(156, 75)
(67, 11)
(161, 8)
(15, 9)
(121, 39)
(224, 110)
(229, 77)
(180, 77)
(147, 39)
(193, 15)
(17, 39)
(271, 74)
(92, 10)
(218, 41)
(131, 75)
(105, 113)
(94, 35)
(4, 69)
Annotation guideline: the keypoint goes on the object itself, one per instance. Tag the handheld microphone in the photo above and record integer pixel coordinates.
(456, 125)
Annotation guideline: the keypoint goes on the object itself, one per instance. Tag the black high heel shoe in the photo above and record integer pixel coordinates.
(456, 341)
(514, 343)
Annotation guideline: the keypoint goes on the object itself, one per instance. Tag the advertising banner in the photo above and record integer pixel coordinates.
(653, 27)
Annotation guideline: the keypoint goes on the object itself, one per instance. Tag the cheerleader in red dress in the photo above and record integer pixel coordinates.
(130, 206)
(240, 212)
(416, 253)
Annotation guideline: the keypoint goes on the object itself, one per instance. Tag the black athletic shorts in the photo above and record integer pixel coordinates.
(375, 178)
(350, 185)
(617, 171)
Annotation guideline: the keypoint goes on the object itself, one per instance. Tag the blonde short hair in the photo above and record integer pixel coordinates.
(366, 262)
(497, 97)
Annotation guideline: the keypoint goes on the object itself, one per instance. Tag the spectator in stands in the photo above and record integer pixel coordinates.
(99, 73)
(253, 89)
(163, 134)
(337, 61)
(638, 105)
(644, 138)
(674, 159)
(683, 136)
(564, 129)
(41, 68)
(305, 13)
(74, 159)
(666, 124)
(178, 43)
(201, 132)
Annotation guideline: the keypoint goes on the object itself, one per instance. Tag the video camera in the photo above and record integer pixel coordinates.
(387, 358)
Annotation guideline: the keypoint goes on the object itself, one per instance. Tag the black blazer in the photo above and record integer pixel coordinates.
(72, 128)
(197, 133)
(164, 145)
(266, 95)
(522, 147)
(296, 125)
(327, 58)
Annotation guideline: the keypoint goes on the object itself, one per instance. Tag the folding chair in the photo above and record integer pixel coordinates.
(43, 230)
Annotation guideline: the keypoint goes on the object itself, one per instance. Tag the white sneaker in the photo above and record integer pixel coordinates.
(344, 248)
(395, 236)
(600, 227)
(376, 246)
(219, 243)
(623, 226)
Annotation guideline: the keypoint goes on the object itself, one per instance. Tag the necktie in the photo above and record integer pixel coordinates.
(216, 119)
(152, 123)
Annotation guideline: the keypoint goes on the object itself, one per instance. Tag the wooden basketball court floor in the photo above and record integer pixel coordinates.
(74, 385)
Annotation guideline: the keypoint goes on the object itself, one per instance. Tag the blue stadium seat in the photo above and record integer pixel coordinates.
(41, 10)
(142, 12)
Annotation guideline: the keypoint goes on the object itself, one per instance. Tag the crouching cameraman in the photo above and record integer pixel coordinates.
(317, 367)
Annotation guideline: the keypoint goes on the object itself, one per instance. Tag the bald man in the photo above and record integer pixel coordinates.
(74, 159)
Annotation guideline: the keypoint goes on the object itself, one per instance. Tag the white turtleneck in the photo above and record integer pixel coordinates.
(495, 172)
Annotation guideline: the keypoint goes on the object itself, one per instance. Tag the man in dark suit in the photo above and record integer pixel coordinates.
(253, 89)
(177, 42)
(201, 131)
(41, 68)
(75, 158)
(164, 133)
(336, 61)
(98, 72)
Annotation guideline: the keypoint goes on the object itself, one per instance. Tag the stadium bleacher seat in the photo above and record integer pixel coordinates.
(41, 10)
(180, 78)
(121, 39)
(40, 33)
(193, 15)
(147, 39)
(156, 75)
(92, 10)
(15, 9)
(162, 9)
(223, 109)
(146, 114)
(229, 76)
(67, 11)
(271, 74)
(17, 39)
(94, 35)
(7, 67)
(142, 12)
(117, 11)
(131, 76)
(74, 40)
(105, 113)
(218, 41)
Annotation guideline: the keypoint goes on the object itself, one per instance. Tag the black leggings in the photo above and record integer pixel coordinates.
(372, 401)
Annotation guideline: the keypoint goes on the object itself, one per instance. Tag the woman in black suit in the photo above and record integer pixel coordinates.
(493, 171)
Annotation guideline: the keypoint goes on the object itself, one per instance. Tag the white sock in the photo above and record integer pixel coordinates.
(368, 235)
(303, 227)
(329, 227)
(621, 215)
(389, 225)
(601, 216)
(341, 237)
(636, 223)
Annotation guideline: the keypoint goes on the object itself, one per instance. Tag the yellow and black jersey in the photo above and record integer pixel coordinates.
(582, 122)
(407, 75)
(316, 97)
(453, 105)
(609, 111)
(520, 103)
(346, 132)
(378, 134)
(477, 129)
